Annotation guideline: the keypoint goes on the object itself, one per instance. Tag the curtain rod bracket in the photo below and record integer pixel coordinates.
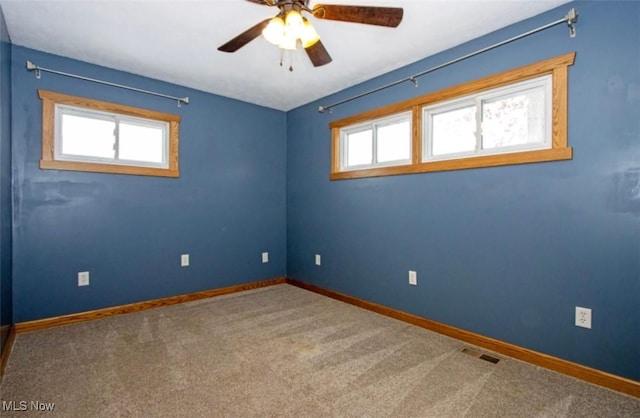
(32, 67)
(572, 19)
(414, 81)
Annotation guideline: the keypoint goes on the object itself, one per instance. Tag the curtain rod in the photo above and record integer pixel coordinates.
(570, 19)
(32, 67)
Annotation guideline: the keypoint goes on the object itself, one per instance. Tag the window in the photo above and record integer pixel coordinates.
(514, 117)
(88, 135)
(378, 143)
(507, 119)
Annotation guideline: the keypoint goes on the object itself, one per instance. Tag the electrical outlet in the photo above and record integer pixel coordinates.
(583, 317)
(83, 278)
(265, 257)
(413, 278)
(184, 260)
(318, 260)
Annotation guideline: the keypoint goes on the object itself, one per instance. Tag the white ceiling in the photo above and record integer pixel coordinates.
(177, 40)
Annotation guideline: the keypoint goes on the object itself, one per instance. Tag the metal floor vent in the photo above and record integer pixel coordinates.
(477, 354)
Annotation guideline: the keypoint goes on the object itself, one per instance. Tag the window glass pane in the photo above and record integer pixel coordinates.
(87, 137)
(359, 148)
(514, 120)
(141, 143)
(454, 131)
(394, 141)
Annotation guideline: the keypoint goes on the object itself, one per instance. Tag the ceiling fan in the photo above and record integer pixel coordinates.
(290, 28)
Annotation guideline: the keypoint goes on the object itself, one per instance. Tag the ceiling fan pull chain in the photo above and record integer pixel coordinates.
(289, 54)
(282, 52)
(292, 57)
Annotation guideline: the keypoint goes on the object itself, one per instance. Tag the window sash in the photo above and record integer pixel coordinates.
(478, 101)
(374, 126)
(117, 119)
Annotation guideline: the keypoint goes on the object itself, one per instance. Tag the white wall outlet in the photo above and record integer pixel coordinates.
(318, 260)
(413, 278)
(184, 260)
(583, 317)
(83, 278)
(265, 257)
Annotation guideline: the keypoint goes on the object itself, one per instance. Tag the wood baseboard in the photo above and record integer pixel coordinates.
(598, 377)
(40, 324)
(6, 349)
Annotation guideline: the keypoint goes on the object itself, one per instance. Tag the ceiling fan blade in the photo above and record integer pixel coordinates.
(264, 2)
(244, 38)
(318, 54)
(369, 15)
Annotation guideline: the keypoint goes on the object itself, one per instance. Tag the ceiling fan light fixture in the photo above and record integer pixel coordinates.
(275, 31)
(288, 43)
(308, 36)
(286, 32)
(294, 25)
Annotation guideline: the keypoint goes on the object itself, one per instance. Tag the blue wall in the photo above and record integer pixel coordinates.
(129, 231)
(505, 252)
(6, 304)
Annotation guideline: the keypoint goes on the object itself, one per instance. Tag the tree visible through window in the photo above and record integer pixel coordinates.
(506, 119)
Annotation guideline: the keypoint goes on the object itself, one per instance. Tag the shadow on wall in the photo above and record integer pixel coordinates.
(622, 101)
(627, 186)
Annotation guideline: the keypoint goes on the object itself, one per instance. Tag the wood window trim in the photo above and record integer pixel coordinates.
(48, 161)
(557, 67)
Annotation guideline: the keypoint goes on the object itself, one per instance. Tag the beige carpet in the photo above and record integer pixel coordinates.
(280, 352)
